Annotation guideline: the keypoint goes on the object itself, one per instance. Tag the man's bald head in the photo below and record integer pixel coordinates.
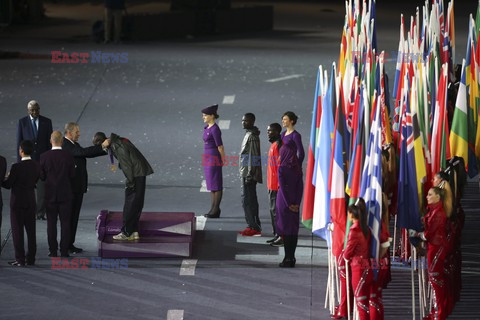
(56, 138)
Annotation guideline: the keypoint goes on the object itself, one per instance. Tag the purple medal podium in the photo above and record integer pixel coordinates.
(162, 234)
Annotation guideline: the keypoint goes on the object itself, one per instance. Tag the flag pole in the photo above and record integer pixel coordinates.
(412, 282)
(394, 237)
(328, 281)
(348, 288)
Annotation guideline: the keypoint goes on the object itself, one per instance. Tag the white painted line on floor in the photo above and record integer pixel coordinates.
(200, 222)
(203, 188)
(224, 124)
(228, 99)
(175, 315)
(188, 267)
(293, 76)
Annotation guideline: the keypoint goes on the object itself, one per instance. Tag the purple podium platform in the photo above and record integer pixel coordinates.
(162, 234)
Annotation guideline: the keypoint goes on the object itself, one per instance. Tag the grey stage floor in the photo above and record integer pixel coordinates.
(155, 100)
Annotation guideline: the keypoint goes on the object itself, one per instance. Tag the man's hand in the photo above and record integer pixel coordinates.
(294, 207)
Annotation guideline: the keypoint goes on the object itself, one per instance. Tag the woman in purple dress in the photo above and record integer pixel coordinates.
(289, 119)
(289, 197)
(212, 159)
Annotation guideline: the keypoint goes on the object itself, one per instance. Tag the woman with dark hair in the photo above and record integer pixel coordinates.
(212, 159)
(435, 221)
(289, 119)
(288, 201)
(357, 253)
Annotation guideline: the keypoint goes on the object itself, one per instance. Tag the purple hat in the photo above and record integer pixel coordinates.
(210, 110)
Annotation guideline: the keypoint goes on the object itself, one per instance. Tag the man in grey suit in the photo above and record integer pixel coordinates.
(37, 129)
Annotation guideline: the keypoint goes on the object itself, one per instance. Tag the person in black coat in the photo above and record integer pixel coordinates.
(57, 170)
(3, 170)
(22, 180)
(80, 181)
(37, 129)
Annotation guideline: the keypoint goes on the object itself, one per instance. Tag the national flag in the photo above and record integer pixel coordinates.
(407, 199)
(321, 208)
(459, 131)
(338, 211)
(309, 189)
(440, 143)
(372, 183)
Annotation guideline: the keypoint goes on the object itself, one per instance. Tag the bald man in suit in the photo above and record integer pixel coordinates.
(57, 170)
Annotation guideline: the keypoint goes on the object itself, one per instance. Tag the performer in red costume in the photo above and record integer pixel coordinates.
(435, 234)
(383, 267)
(357, 254)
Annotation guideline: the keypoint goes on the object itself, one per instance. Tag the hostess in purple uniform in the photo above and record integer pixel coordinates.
(297, 138)
(212, 162)
(290, 190)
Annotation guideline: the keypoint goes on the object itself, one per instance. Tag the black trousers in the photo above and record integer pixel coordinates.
(272, 196)
(76, 207)
(64, 211)
(250, 204)
(132, 208)
(21, 218)
(41, 199)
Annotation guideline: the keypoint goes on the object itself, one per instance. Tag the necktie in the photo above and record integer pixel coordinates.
(35, 131)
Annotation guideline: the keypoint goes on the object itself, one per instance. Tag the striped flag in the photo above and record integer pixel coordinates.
(372, 182)
(338, 211)
(321, 208)
(309, 190)
(459, 132)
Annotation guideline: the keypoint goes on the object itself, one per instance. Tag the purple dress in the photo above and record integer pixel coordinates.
(290, 191)
(297, 138)
(211, 159)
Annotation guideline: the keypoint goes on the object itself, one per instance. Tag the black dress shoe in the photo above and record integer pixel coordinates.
(287, 263)
(273, 239)
(75, 250)
(277, 243)
(16, 264)
(213, 215)
(53, 254)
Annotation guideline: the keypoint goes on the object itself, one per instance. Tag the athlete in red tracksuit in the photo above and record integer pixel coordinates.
(435, 234)
(357, 254)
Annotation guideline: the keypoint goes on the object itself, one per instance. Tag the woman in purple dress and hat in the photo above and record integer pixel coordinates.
(212, 159)
(289, 197)
(289, 119)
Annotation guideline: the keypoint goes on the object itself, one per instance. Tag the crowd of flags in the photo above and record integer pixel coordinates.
(354, 118)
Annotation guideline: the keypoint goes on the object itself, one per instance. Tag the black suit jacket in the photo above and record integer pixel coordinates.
(3, 169)
(22, 180)
(80, 155)
(57, 170)
(25, 132)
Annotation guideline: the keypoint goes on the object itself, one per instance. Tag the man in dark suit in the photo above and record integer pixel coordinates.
(22, 180)
(80, 181)
(57, 170)
(37, 129)
(3, 170)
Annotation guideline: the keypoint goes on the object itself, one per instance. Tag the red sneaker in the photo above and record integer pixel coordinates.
(246, 230)
(249, 232)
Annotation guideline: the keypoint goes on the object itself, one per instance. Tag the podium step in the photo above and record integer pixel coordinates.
(162, 234)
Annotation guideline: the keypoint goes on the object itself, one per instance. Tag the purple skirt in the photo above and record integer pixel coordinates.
(212, 167)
